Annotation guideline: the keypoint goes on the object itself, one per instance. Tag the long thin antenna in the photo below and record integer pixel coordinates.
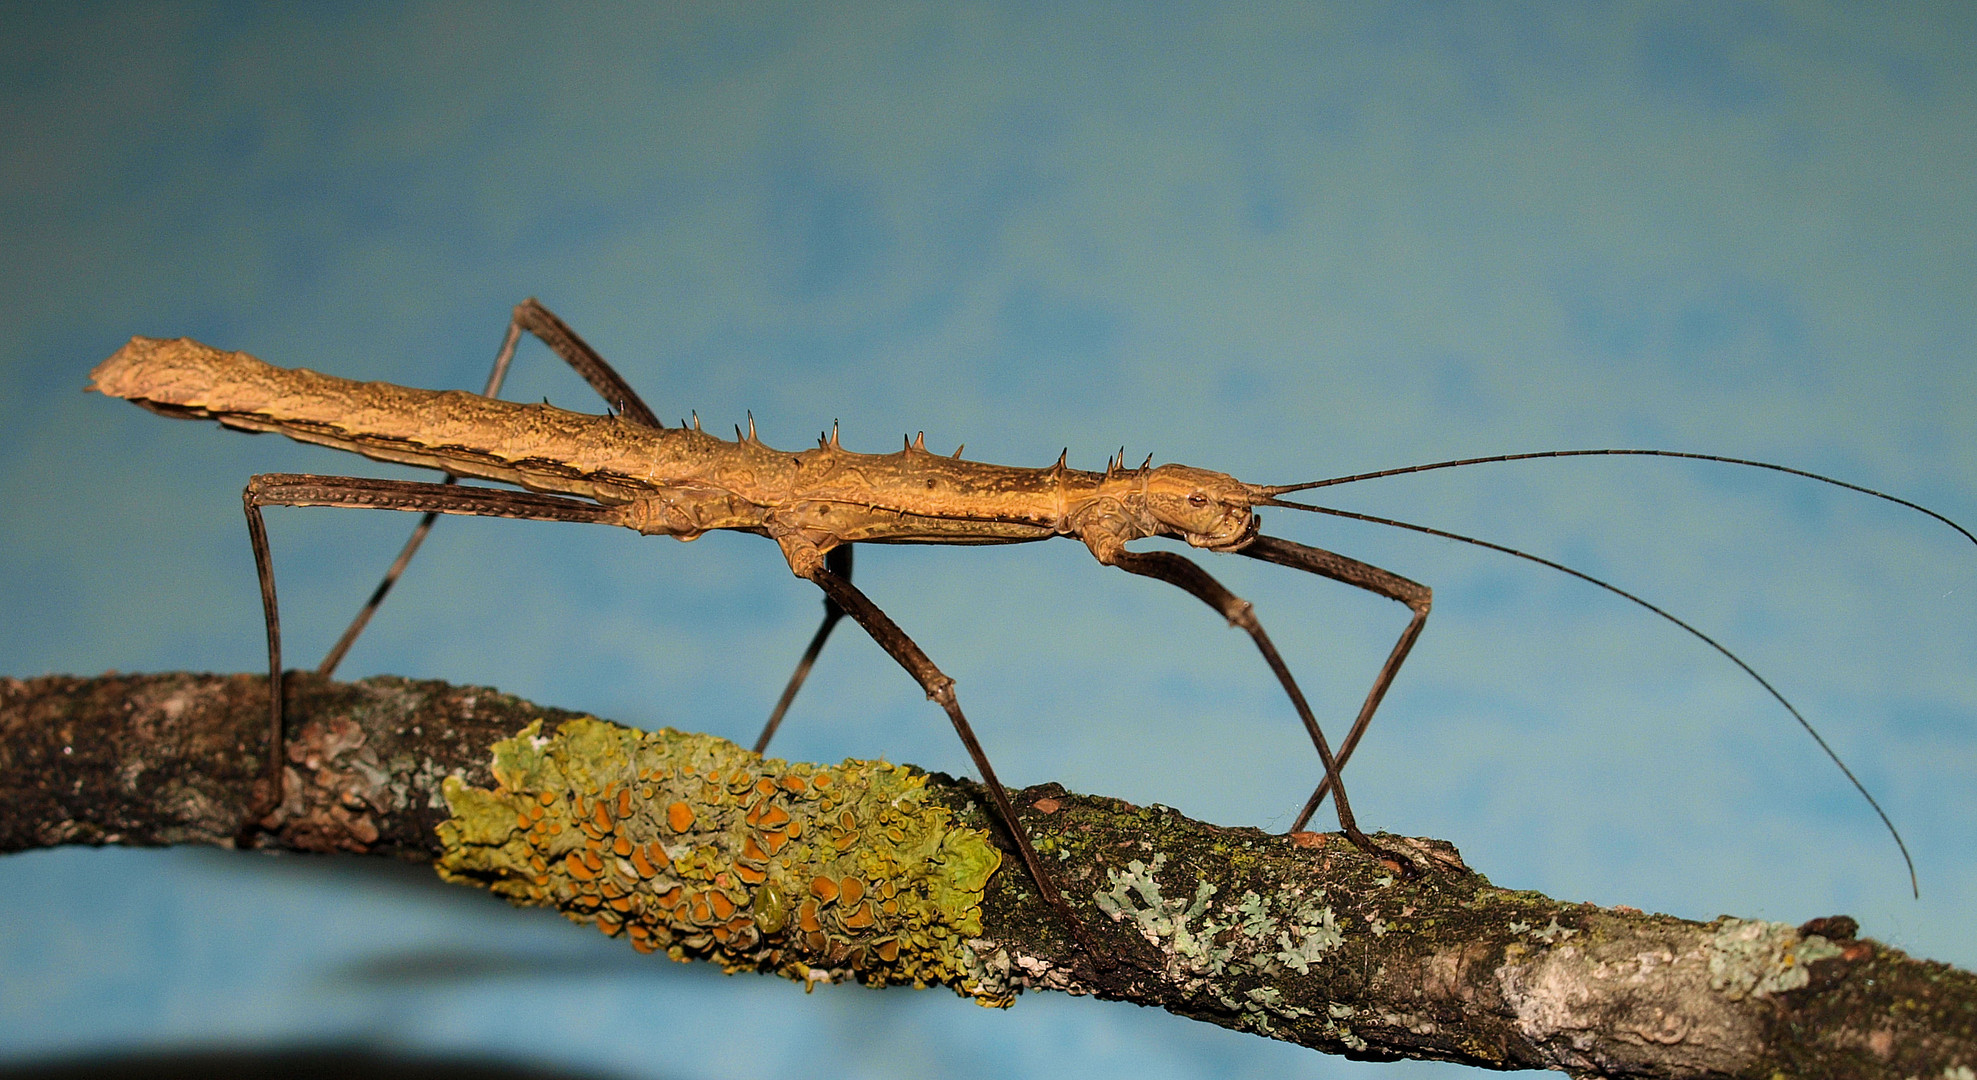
(1285, 489)
(1913, 884)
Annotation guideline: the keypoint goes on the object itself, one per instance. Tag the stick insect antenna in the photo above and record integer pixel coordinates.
(1285, 489)
(1913, 883)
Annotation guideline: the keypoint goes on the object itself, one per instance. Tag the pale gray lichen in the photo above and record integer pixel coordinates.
(1553, 934)
(1312, 941)
(1754, 958)
(1205, 943)
(1162, 921)
(1345, 1035)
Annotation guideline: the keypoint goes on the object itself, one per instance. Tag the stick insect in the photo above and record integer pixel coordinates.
(626, 468)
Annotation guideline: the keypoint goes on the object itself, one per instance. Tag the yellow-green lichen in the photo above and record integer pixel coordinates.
(691, 845)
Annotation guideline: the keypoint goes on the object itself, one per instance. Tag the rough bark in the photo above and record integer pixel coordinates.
(1300, 938)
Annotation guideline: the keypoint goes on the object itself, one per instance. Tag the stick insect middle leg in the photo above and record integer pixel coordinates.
(849, 599)
(837, 561)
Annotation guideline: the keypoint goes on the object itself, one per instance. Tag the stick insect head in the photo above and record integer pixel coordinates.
(1207, 509)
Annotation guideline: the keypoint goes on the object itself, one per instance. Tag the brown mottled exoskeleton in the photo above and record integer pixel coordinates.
(626, 468)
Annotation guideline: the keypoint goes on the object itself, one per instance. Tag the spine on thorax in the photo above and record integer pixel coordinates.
(676, 481)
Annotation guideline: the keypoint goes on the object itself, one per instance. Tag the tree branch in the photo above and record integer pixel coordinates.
(1300, 938)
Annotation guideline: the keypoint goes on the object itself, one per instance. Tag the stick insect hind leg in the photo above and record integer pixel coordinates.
(291, 489)
(1182, 572)
(532, 317)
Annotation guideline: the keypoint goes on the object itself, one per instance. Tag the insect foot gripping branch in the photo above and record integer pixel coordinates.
(689, 844)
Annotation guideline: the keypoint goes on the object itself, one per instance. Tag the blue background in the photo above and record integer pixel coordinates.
(1282, 241)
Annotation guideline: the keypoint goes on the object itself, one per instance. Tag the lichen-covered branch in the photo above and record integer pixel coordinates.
(688, 845)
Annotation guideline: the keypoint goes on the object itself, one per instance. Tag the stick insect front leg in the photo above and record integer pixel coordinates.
(532, 317)
(1180, 571)
(290, 489)
(1418, 597)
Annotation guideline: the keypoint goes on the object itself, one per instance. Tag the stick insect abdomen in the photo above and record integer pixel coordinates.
(538, 447)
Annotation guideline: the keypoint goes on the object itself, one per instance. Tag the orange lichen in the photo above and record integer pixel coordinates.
(692, 846)
(724, 908)
(859, 917)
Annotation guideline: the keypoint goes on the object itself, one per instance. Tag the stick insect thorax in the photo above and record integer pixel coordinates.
(682, 481)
